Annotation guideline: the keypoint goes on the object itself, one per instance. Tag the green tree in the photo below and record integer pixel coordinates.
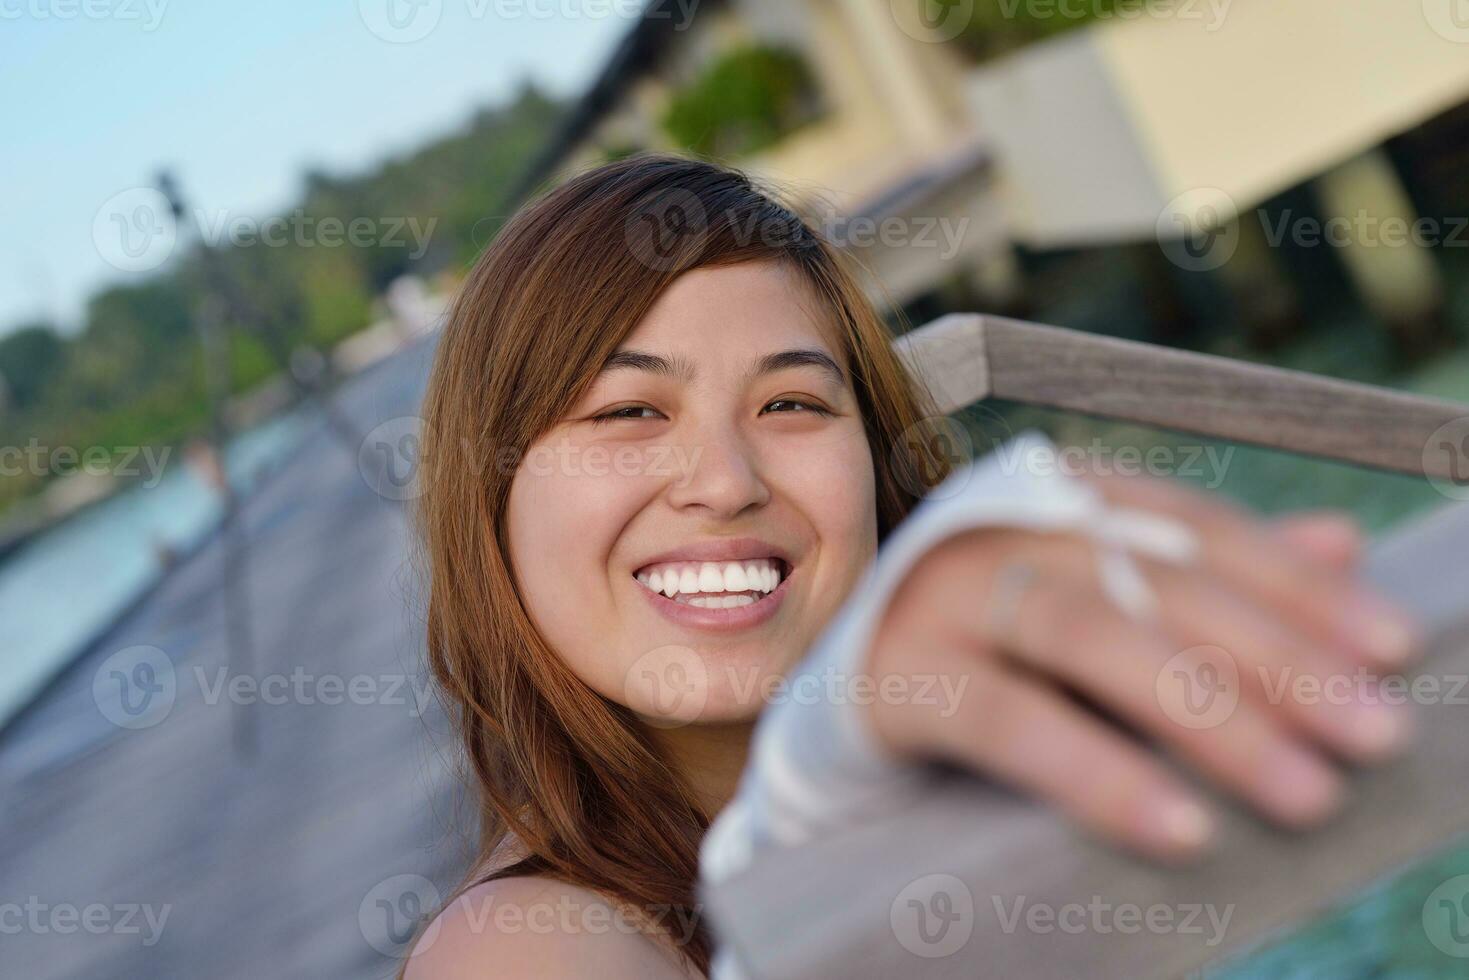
(748, 99)
(30, 359)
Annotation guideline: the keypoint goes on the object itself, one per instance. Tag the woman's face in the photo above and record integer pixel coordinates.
(720, 459)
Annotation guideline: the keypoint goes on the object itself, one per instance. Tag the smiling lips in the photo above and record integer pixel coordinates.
(714, 584)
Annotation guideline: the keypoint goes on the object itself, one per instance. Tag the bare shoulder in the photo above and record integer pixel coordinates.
(531, 926)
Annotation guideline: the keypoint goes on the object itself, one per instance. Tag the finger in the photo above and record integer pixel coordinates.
(1325, 536)
(1328, 604)
(1031, 738)
(1072, 633)
(1288, 674)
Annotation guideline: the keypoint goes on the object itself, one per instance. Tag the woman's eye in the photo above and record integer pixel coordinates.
(795, 405)
(626, 412)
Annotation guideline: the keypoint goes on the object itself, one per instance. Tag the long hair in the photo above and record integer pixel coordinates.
(592, 799)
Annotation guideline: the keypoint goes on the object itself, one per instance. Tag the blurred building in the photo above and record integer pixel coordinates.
(979, 152)
(871, 123)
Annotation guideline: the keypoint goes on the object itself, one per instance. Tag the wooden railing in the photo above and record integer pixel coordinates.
(836, 907)
(966, 356)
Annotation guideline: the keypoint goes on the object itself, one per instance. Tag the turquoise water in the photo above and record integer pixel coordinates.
(1410, 926)
(59, 590)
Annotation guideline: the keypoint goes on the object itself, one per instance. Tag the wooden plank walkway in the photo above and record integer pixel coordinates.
(263, 865)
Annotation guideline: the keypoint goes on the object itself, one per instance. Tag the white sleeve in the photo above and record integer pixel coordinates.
(814, 764)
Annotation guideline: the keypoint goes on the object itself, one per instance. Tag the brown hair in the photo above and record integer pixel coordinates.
(588, 794)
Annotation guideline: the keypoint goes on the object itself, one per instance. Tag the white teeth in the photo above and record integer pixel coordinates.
(701, 580)
(720, 601)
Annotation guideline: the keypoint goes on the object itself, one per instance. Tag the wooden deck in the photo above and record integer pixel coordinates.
(264, 864)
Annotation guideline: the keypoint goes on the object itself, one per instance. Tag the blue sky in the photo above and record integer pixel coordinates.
(238, 98)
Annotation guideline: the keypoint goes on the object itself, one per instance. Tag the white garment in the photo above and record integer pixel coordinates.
(814, 764)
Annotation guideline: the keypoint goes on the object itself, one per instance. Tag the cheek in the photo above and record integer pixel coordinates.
(836, 491)
(561, 527)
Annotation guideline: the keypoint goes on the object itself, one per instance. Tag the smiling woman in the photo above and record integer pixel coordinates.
(607, 627)
(653, 310)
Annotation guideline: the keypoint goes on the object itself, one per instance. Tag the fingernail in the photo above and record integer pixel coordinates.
(1380, 629)
(1381, 730)
(1303, 788)
(1185, 824)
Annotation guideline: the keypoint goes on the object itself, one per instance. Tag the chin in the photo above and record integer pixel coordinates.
(675, 684)
(730, 706)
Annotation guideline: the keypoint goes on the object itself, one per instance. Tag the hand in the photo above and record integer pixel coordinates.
(1278, 604)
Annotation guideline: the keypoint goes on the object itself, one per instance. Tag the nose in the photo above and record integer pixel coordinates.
(721, 475)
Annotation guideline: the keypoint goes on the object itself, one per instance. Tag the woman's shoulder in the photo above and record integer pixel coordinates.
(529, 925)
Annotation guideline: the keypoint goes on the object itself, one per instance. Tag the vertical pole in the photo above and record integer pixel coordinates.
(210, 321)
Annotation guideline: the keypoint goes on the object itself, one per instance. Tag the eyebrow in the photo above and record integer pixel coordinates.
(682, 369)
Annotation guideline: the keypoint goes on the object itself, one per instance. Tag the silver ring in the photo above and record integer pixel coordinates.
(1002, 608)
